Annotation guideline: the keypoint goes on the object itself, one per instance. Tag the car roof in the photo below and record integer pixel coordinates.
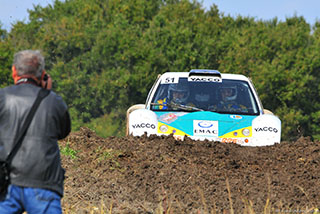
(223, 75)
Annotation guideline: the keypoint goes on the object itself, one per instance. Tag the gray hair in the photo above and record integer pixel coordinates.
(29, 62)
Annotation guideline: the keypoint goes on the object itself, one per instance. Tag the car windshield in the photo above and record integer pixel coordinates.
(228, 97)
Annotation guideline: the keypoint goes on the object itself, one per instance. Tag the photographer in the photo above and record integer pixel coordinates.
(36, 174)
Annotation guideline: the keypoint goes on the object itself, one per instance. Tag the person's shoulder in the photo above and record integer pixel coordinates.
(8, 89)
(55, 95)
(57, 98)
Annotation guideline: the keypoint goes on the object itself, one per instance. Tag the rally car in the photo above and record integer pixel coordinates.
(205, 105)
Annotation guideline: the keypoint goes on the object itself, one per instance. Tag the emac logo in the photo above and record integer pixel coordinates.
(205, 128)
(206, 131)
(266, 129)
(205, 124)
(144, 125)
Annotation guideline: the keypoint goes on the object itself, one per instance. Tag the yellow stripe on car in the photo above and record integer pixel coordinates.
(238, 133)
(166, 129)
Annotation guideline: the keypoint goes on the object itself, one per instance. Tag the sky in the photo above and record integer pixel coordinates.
(16, 10)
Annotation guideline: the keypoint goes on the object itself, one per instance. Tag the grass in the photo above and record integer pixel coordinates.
(67, 151)
(110, 155)
(165, 206)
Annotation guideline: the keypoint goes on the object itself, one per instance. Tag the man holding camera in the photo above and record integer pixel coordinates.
(36, 174)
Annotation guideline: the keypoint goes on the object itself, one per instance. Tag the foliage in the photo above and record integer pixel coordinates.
(103, 127)
(105, 55)
(5, 59)
(67, 151)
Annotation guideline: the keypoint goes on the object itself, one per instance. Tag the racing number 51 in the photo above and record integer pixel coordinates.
(170, 80)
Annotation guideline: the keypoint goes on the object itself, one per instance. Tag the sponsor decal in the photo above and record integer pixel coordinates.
(234, 140)
(229, 140)
(266, 129)
(206, 132)
(205, 128)
(236, 117)
(205, 124)
(204, 79)
(168, 118)
(178, 137)
(170, 80)
(144, 125)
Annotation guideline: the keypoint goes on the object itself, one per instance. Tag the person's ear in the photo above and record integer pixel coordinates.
(14, 74)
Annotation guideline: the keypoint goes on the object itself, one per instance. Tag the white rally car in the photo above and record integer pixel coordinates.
(205, 104)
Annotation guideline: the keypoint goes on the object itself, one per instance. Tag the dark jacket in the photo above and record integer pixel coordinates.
(37, 163)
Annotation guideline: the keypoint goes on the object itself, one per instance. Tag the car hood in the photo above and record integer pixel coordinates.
(204, 123)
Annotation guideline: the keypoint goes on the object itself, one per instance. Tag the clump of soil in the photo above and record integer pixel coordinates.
(145, 175)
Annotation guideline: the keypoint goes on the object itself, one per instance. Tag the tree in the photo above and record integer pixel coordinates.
(105, 55)
(6, 56)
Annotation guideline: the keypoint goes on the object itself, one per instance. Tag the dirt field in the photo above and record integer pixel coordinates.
(161, 175)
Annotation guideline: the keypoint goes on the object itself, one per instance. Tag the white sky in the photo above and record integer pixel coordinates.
(269, 9)
(16, 10)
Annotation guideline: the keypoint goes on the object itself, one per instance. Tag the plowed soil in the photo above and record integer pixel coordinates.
(162, 175)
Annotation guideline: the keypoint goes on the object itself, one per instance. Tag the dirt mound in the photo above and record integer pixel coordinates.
(146, 175)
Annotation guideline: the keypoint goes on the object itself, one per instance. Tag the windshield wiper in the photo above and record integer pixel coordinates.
(184, 107)
(159, 104)
(177, 106)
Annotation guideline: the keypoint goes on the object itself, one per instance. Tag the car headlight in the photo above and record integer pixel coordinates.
(246, 132)
(163, 128)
